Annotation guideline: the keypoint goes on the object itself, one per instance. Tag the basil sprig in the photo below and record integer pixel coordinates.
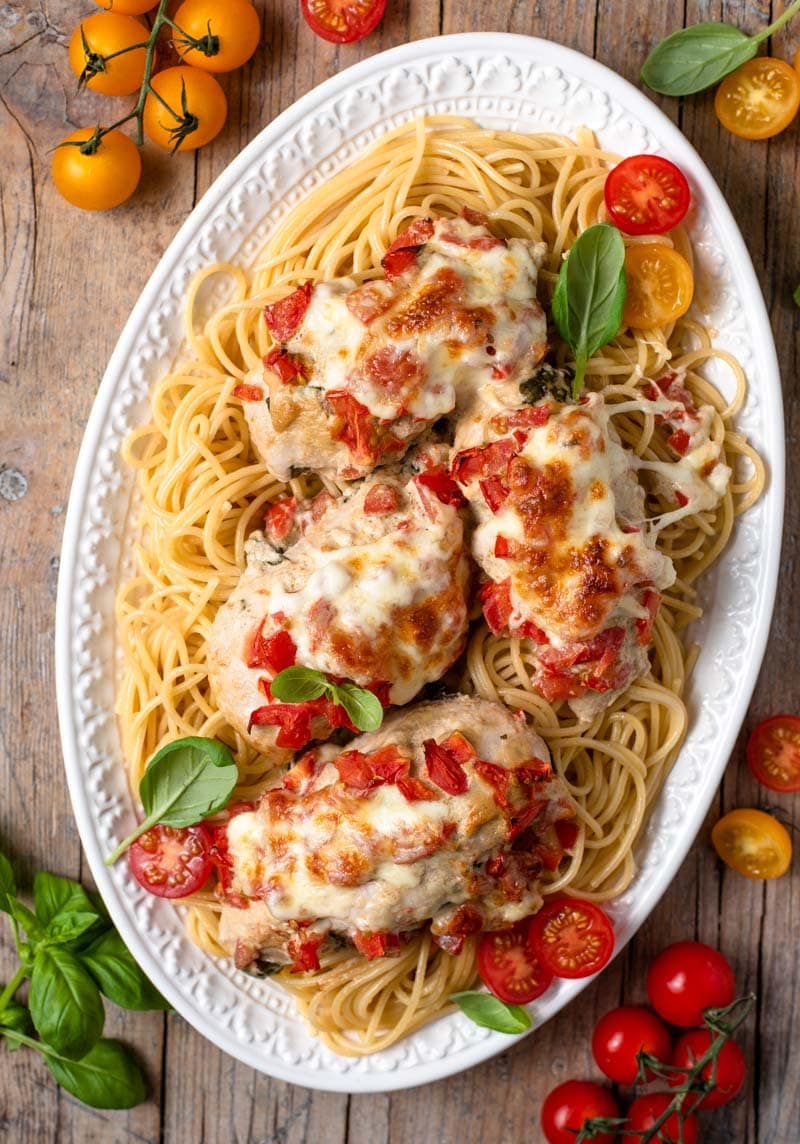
(185, 781)
(302, 684)
(697, 57)
(71, 953)
(492, 1013)
(590, 294)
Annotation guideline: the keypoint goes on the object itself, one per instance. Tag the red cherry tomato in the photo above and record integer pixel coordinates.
(508, 968)
(623, 1033)
(343, 21)
(568, 1106)
(730, 1071)
(687, 978)
(172, 862)
(646, 194)
(645, 1111)
(571, 938)
(773, 753)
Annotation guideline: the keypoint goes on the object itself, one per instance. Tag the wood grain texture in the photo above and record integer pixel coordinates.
(68, 283)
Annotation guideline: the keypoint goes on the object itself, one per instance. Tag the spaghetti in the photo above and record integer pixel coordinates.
(203, 492)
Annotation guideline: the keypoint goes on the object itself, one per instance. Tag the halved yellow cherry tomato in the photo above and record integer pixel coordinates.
(106, 34)
(660, 285)
(753, 843)
(759, 99)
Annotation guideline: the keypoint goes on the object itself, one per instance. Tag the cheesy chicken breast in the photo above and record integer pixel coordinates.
(360, 371)
(449, 813)
(373, 590)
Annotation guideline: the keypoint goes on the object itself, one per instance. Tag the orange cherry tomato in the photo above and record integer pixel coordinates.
(101, 180)
(235, 24)
(127, 7)
(759, 99)
(105, 34)
(205, 103)
(753, 843)
(660, 285)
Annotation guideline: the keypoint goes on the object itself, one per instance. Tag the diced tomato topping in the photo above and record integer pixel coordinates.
(283, 366)
(284, 316)
(555, 685)
(476, 218)
(417, 234)
(496, 600)
(644, 626)
(219, 853)
(442, 486)
(483, 460)
(494, 492)
(528, 630)
(444, 769)
(380, 500)
(567, 831)
(364, 435)
(304, 951)
(466, 920)
(274, 652)
(415, 790)
(279, 517)
(320, 504)
(531, 417)
(396, 262)
(248, 392)
(301, 772)
(294, 720)
(367, 302)
(372, 945)
(381, 690)
(679, 441)
(502, 547)
(497, 778)
(458, 747)
(681, 498)
(364, 773)
(393, 369)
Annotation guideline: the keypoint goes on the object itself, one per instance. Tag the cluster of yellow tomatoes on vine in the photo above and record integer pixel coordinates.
(180, 106)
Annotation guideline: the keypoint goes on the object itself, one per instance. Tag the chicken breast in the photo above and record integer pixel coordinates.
(373, 591)
(447, 814)
(361, 371)
(560, 536)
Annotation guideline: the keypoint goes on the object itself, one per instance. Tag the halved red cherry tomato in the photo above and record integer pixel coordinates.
(624, 1032)
(759, 99)
(570, 1105)
(172, 862)
(752, 843)
(773, 753)
(571, 938)
(645, 1111)
(343, 21)
(646, 194)
(731, 1068)
(508, 968)
(686, 978)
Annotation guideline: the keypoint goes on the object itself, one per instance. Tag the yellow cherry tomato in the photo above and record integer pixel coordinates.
(205, 103)
(235, 24)
(660, 285)
(753, 843)
(759, 99)
(102, 179)
(105, 34)
(127, 7)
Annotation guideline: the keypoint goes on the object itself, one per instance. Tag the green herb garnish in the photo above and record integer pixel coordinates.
(302, 684)
(492, 1013)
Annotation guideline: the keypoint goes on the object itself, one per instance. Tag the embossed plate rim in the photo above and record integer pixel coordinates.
(248, 1019)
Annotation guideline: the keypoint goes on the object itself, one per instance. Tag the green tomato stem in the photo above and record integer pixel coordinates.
(10, 989)
(141, 829)
(777, 24)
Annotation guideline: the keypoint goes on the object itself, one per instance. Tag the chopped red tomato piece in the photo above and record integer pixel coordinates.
(372, 945)
(294, 720)
(531, 417)
(494, 492)
(380, 500)
(484, 460)
(458, 747)
(364, 435)
(394, 369)
(304, 951)
(279, 518)
(366, 772)
(680, 442)
(497, 778)
(414, 236)
(283, 366)
(496, 600)
(567, 831)
(415, 790)
(248, 392)
(444, 769)
(284, 316)
(644, 626)
(274, 652)
(396, 262)
(442, 486)
(502, 547)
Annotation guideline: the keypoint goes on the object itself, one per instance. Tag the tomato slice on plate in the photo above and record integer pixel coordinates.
(660, 285)
(759, 99)
(646, 194)
(773, 753)
(343, 21)
(571, 938)
(508, 968)
(752, 843)
(172, 862)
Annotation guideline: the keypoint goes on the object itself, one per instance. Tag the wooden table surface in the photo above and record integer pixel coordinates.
(69, 281)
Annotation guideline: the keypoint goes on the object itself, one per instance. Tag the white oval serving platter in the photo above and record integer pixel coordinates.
(501, 81)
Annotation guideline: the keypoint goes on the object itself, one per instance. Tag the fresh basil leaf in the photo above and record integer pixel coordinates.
(363, 708)
(695, 58)
(111, 964)
(590, 294)
(53, 895)
(66, 927)
(796, 296)
(34, 930)
(8, 886)
(64, 1002)
(184, 783)
(107, 1077)
(491, 1012)
(16, 1017)
(298, 685)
